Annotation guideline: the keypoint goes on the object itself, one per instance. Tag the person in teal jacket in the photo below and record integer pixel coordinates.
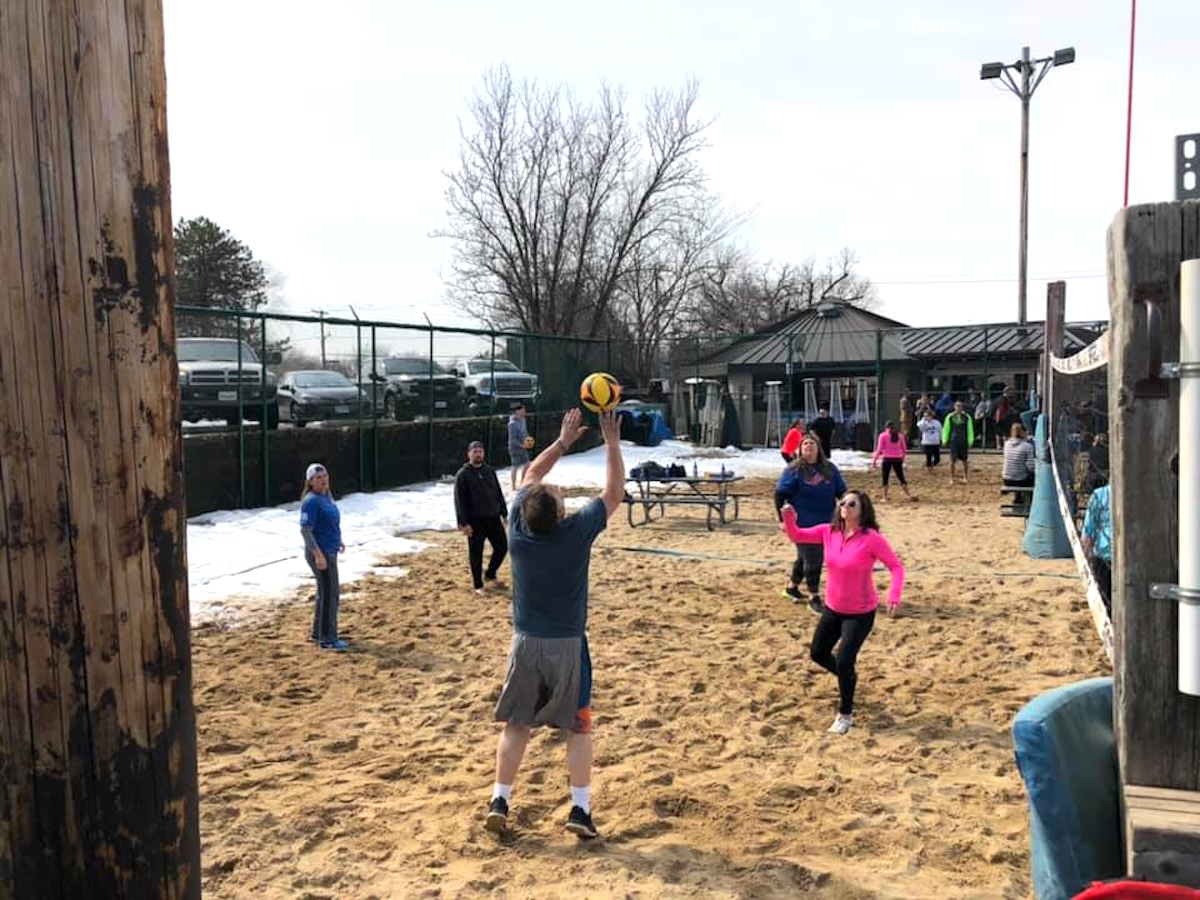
(958, 433)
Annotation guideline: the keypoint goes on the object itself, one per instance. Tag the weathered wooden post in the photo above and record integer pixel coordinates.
(1158, 728)
(98, 790)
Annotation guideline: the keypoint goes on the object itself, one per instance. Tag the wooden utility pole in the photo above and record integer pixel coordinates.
(98, 794)
(1157, 727)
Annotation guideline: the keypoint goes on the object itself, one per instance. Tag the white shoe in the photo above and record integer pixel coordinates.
(841, 724)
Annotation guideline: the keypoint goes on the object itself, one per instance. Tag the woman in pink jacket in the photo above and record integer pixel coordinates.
(852, 546)
(892, 447)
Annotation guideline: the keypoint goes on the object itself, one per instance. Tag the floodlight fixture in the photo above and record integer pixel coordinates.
(991, 70)
(1064, 57)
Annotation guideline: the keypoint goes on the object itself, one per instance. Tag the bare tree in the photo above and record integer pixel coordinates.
(553, 198)
(737, 294)
(659, 278)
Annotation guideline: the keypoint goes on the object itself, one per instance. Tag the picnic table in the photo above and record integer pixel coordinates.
(659, 492)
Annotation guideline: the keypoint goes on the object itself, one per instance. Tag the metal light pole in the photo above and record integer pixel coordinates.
(1024, 88)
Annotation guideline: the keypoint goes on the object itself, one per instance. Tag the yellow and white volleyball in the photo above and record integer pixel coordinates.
(600, 392)
(529, 442)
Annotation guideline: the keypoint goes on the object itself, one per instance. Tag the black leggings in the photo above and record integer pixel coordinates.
(852, 631)
(933, 454)
(492, 531)
(894, 465)
(807, 567)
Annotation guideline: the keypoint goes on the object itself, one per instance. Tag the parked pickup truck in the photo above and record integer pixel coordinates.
(211, 381)
(409, 386)
(491, 385)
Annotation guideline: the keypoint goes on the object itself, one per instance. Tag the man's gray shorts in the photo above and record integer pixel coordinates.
(543, 680)
(519, 457)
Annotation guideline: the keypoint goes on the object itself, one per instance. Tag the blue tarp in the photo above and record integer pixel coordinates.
(647, 427)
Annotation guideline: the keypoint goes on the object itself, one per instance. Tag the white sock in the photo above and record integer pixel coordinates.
(502, 790)
(582, 797)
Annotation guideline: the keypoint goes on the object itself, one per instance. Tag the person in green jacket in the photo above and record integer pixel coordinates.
(958, 433)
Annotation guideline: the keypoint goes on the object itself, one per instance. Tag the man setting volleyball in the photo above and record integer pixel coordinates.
(549, 677)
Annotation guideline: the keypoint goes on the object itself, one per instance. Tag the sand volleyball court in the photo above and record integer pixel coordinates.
(367, 774)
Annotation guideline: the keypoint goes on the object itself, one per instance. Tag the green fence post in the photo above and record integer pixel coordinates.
(374, 410)
(264, 461)
(987, 393)
(429, 429)
(489, 414)
(241, 418)
(878, 379)
(789, 371)
(362, 449)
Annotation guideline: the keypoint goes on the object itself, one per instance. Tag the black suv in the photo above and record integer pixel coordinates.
(212, 382)
(409, 386)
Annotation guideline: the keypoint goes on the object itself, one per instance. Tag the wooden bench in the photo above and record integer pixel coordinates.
(662, 501)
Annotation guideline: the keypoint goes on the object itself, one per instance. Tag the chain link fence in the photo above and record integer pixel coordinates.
(262, 394)
(397, 403)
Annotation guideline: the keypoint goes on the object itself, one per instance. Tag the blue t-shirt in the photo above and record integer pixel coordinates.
(320, 513)
(550, 571)
(517, 432)
(811, 492)
(1097, 522)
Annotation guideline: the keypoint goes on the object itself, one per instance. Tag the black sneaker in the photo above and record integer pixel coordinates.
(580, 824)
(794, 594)
(815, 604)
(497, 817)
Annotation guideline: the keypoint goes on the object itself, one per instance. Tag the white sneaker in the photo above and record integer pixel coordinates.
(841, 724)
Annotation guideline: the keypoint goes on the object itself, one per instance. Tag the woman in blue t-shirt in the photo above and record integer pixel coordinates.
(812, 485)
(321, 527)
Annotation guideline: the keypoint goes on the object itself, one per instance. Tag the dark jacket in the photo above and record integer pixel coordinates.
(477, 494)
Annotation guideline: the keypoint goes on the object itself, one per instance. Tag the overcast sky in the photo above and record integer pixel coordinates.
(319, 133)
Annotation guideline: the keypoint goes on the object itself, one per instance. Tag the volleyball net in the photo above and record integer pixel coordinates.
(1077, 422)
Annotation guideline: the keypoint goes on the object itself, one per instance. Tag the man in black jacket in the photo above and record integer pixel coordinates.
(482, 515)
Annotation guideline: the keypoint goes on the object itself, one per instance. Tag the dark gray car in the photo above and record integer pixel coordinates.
(318, 395)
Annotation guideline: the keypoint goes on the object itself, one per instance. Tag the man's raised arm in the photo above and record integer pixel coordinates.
(614, 479)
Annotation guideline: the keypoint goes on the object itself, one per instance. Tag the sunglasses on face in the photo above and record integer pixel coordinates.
(849, 504)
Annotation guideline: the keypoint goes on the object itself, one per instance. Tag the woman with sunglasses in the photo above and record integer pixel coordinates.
(852, 544)
(321, 528)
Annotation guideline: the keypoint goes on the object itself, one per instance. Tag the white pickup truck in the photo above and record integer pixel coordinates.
(493, 385)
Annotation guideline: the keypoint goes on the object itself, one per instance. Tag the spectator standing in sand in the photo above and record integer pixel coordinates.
(791, 441)
(811, 485)
(321, 529)
(958, 433)
(853, 544)
(823, 426)
(983, 409)
(931, 437)
(479, 509)
(906, 421)
(549, 680)
(892, 447)
(1002, 412)
(518, 444)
